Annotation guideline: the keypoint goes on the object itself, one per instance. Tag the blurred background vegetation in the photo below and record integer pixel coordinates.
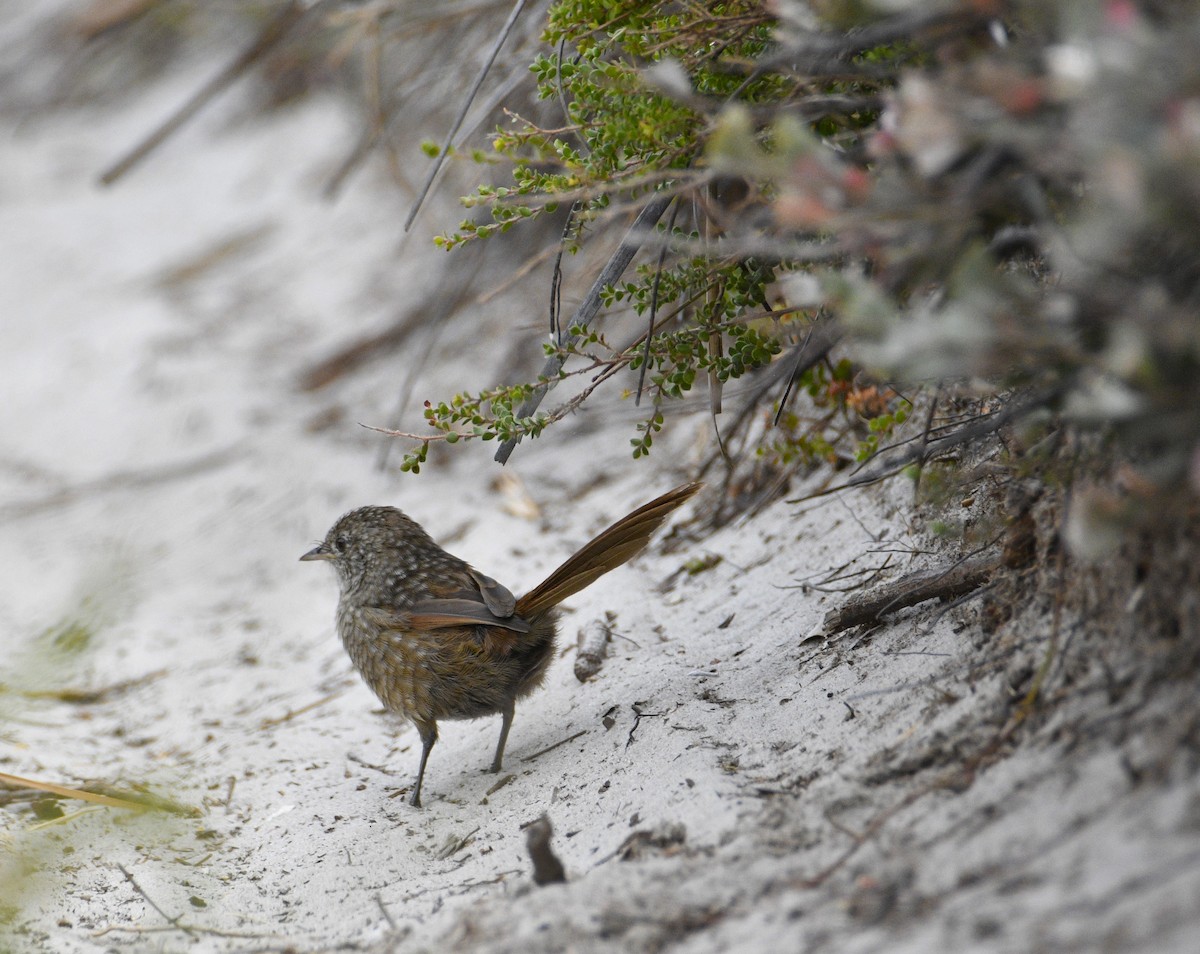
(953, 240)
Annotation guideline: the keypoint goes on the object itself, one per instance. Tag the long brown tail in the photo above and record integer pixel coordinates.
(616, 545)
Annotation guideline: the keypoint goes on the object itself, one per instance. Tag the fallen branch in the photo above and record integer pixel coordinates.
(942, 583)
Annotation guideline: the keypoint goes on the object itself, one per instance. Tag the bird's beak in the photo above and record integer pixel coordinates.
(319, 552)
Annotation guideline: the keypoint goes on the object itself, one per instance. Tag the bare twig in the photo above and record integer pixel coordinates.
(292, 713)
(888, 464)
(551, 748)
(504, 780)
(658, 272)
(817, 52)
(638, 716)
(956, 779)
(177, 926)
(173, 921)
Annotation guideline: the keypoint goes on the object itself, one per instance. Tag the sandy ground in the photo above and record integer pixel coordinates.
(722, 784)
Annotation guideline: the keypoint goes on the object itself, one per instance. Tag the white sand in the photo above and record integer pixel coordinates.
(159, 479)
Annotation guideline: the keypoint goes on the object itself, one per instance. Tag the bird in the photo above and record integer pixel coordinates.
(436, 639)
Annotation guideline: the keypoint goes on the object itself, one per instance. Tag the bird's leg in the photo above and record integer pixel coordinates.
(506, 723)
(429, 735)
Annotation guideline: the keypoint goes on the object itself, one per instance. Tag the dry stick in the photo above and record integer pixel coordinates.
(871, 573)
(981, 427)
(96, 19)
(587, 309)
(576, 207)
(1043, 670)
(968, 670)
(551, 748)
(915, 588)
(361, 351)
(517, 275)
(454, 845)
(793, 374)
(638, 716)
(556, 415)
(556, 275)
(925, 432)
(375, 134)
(822, 340)
(180, 926)
(383, 909)
(837, 47)
(374, 94)
(270, 36)
(293, 713)
(462, 113)
(175, 922)
(805, 359)
(370, 136)
(869, 832)
(825, 346)
(499, 785)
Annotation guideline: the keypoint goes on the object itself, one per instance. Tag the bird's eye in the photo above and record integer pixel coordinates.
(340, 544)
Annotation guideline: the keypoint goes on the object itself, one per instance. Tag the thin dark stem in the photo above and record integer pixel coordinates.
(590, 305)
(662, 256)
(556, 275)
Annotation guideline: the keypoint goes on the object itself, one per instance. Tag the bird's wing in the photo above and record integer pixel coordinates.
(462, 596)
(443, 613)
(497, 598)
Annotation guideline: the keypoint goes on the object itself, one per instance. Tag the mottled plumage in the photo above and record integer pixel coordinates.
(436, 639)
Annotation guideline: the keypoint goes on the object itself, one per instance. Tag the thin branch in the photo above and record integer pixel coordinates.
(462, 113)
(173, 921)
(551, 748)
(271, 35)
(121, 480)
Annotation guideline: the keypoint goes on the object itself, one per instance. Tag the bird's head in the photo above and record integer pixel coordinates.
(368, 541)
